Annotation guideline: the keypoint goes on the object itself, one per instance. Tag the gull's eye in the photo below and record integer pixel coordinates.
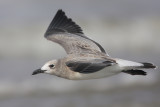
(51, 66)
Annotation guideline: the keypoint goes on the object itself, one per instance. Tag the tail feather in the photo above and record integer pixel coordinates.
(148, 65)
(135, 68)
(136, 71)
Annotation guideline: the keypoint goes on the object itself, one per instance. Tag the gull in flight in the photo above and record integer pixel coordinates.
(86, 59)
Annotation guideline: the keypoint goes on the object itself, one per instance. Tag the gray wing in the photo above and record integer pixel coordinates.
(88, 66)
(69, 35)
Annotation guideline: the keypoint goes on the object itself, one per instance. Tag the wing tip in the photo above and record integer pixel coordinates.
(135, 72)
(61, 23)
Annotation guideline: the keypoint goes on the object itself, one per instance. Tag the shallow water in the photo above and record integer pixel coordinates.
(135, 97)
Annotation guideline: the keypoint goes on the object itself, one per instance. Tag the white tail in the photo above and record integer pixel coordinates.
(128, 64)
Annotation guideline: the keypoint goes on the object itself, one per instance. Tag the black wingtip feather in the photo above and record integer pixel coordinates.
(62, 23)
(135, 72)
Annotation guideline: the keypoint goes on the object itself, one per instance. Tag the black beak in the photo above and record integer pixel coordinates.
(38, 71)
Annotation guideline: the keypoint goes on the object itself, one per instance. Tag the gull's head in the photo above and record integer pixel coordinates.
(48, 68)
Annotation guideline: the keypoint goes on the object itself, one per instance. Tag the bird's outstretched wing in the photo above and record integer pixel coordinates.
(69, 35)
(88, 66)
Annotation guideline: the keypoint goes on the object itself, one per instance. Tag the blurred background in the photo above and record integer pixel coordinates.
(127, 29)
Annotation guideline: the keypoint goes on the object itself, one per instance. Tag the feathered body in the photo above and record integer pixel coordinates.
(86, 59)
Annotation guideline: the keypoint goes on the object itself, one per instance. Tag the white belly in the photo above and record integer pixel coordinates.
(108, 71)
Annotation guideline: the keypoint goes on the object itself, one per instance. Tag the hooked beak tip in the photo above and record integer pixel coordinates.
(38, 71)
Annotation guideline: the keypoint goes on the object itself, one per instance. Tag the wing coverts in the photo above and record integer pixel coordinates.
(88, 66)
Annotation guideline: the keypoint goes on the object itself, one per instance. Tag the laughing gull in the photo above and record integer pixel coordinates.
(86, 59)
